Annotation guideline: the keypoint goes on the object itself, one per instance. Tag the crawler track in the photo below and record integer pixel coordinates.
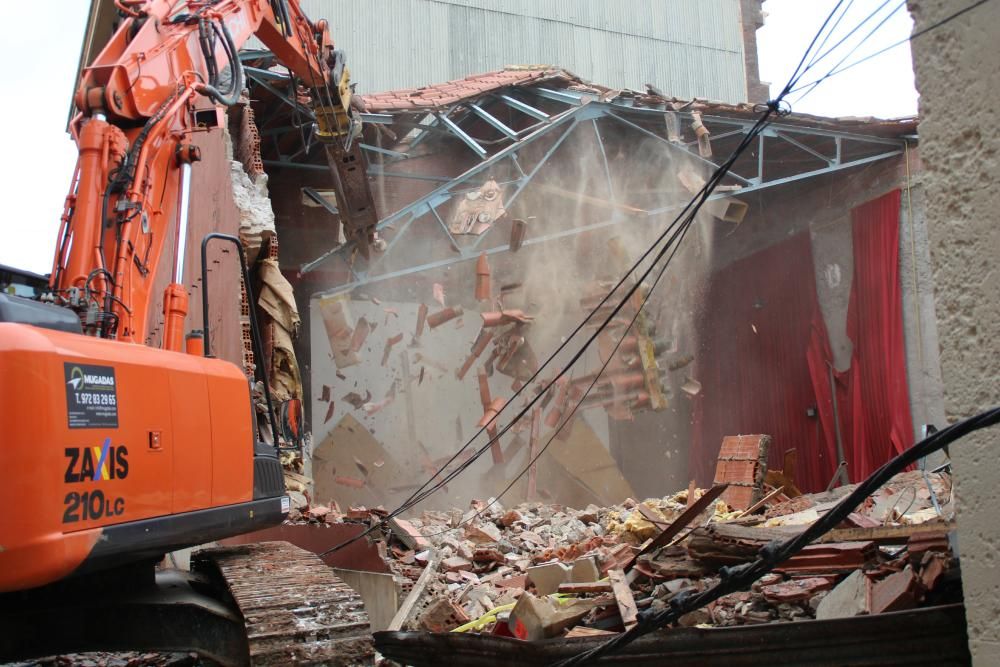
(295, 608)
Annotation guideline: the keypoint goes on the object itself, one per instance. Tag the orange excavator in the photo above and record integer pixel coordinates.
(117, 452)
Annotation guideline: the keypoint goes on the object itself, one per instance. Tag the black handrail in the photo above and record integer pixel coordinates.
(259, 371)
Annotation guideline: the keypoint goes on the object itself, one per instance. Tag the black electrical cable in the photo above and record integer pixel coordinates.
(815, 61)
(832, 30)
(740, 577)
(798, 68)
(855, 48)
(915, 35)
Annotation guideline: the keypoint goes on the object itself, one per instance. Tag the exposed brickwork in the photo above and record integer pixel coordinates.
(741, 464)
(752, 18)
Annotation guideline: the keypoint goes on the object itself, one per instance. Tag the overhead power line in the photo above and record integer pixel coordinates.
(920, 33)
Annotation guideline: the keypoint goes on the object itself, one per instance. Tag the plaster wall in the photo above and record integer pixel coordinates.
(959, 87)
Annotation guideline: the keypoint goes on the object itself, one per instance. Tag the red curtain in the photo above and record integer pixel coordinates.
(761, 333)
(765, 358)
(876, 418)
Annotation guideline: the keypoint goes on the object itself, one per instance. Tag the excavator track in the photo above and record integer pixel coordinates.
(296, 610)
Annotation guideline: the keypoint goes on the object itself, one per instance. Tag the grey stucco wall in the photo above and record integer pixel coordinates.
(959, 85)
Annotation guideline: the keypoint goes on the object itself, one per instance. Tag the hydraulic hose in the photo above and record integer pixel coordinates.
(231, 96)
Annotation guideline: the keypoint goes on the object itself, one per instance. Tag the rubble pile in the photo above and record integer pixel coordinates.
(542, 570)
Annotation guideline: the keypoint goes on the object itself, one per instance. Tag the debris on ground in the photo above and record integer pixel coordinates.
(543, 570)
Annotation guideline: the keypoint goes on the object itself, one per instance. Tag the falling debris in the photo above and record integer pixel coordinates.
(356, 400)
(389, 343)
(500, 318)
(478, 210)
(482, 342)
(438, 293)
(483, 287)
(421, 320)
(691, 387)
(361, 331)
(518, 230)
(442, 316)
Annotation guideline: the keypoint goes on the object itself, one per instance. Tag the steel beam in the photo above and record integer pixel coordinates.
(283, 164)
(673, 146)
(385, 151)
(564, 96)
(320, 199)
(374, 170)
(461, 134)
(258, 74)
(795, 177)
(587, 228)
(524, 108)
(604, 159)
(801, 146)
(377, 118)
(264, 83)
(444, 226)
(493, 121)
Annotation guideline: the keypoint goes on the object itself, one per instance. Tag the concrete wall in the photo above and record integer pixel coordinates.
(959, 87)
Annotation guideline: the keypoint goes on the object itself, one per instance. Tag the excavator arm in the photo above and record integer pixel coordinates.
(163, 77)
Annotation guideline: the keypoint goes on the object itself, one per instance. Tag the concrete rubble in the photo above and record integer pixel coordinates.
(544, 570)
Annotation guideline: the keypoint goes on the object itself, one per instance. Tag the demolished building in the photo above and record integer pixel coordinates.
(799, 307)
(790, 251)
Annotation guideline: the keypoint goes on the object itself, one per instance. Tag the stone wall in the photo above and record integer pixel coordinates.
(959, 87)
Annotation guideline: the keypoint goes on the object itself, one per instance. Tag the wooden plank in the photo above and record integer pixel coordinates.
(760, 503)
(887, 534)
(585, 587)
(692, 487)
(584, 631)
(649, 515)
(623, 596)
(681, 522)
(533, 444)
(410, 603)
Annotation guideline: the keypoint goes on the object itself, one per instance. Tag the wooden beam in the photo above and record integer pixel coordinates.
(681, 522)
(410, 603)
(887, 534)
(623, 596)
(585, 587)
(760, 503)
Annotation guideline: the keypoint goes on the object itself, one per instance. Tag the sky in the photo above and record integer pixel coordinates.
(41, 53)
